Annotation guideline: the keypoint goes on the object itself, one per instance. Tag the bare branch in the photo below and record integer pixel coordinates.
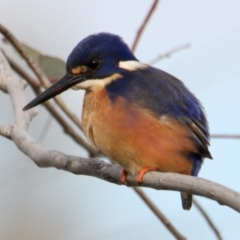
(159, 214)
(233, 136)
(112, 173)
(68, 129)
(208, 219)
(7, 131)
(39, 73)
(98, 168)
(45, 129)
(169, 53)
(34, 83)
(141, 29)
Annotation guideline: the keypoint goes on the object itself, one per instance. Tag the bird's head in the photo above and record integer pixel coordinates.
(94, 62)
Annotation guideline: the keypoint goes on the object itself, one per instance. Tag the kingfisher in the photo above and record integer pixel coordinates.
(140, 117)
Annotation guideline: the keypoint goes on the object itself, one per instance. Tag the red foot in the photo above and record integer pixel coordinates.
(124, 177)
(142, 173)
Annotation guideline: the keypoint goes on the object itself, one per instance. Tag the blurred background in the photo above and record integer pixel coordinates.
(51, 204)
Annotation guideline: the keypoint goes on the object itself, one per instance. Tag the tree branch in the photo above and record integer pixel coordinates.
(34, 83)
(208, 219)
(232, 136)
(159, 214)
(38, 72)
(95, 167)
(45, 129)
(68, 129)
(112, 173)
(169, 53)
(141, 29)
(6, 131)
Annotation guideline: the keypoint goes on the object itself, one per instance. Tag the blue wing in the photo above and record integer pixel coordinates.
(164, 94)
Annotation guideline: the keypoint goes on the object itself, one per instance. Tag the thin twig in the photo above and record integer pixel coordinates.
(208, 219)
(39, 73)
(169, 53)
(163, 219)
(45, 129)
(159, 214)
(232, 136)
(21, 71)
(68, 129)
(143, 25)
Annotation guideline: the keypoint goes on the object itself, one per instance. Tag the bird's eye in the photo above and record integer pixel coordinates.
(94, 63)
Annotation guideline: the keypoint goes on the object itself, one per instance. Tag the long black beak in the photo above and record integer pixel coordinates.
(60, 86)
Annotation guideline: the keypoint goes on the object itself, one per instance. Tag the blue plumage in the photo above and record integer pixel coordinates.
(164, 94)
(109, 48)
(104, 66)
(150, 87)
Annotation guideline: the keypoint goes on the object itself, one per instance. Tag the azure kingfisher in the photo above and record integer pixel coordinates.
(139, 116)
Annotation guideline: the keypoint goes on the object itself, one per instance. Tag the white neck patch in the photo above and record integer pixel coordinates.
(96, 84)
(132, 65)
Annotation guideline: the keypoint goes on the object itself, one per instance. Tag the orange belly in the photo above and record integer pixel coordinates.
(134, 138)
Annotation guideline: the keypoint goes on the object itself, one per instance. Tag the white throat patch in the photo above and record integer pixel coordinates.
(132, 65)
(96, 84)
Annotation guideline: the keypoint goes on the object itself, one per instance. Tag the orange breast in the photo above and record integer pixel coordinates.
(134, 138)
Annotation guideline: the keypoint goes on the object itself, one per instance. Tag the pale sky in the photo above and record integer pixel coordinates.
(50, 204)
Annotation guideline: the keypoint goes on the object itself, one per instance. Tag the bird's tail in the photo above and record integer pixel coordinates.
(186, 200)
